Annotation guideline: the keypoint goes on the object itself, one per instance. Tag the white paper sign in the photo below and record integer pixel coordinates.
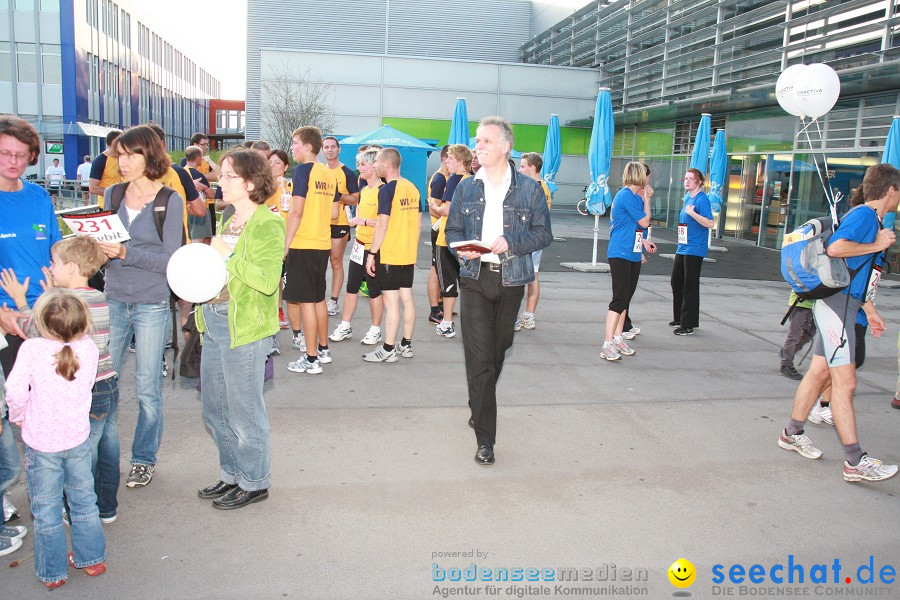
(102, 226)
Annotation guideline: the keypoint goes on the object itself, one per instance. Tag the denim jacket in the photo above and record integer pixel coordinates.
(526, 225)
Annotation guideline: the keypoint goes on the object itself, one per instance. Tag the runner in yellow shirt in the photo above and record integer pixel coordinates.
(393, 255)
(348, 187)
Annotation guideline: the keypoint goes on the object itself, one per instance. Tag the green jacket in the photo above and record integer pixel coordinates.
(254, 271)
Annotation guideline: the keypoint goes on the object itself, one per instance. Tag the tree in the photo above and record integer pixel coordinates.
(291, 99)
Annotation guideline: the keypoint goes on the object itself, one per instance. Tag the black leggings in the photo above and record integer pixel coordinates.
(625, 275)
(686, 290)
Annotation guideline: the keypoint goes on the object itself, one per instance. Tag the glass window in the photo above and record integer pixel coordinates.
(26, 63)
(5, 62)
(24, 4)
(50, 5)
(51, 63)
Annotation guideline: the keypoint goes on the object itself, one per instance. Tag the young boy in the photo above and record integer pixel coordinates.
(73, 261)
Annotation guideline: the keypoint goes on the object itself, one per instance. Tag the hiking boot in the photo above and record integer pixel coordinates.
(868, 469)
(405, 350)
(791, 373)
(341, 332)
(332, 307)
(299, 343)
(623, 348)
(302, 365)
(609, 351)
(282, 322)
(373, 337)
(140, 475)
(447, 332)
(631, 333)
(324, 355)
(820, 414)
(379, 354)
(798, 443)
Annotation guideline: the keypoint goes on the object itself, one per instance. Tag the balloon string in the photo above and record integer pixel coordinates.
(832, 204)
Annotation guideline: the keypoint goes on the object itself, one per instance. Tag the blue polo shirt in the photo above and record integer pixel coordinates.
(27, 231)
(627, 210)
(698, 235)
(860, 225)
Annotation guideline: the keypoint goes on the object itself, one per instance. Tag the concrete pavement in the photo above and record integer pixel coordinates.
(670, 453)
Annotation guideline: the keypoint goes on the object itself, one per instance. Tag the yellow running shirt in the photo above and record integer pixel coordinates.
(347, 183)
(400, 200)
(315, 182)
(368, 209)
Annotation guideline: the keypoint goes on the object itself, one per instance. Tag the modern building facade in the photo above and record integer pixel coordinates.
(668, 61)
(78, 68)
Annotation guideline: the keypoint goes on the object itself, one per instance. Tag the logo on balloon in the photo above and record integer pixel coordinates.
(808, 90)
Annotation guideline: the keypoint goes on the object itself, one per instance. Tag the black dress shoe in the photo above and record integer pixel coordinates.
(485, 455)
(472, 422)
(238, 498)
(216, 490)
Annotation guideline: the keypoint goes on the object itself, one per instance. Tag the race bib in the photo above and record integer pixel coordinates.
(230, 240)
(873, 284)
(682, 233)
(102, 226)
(356, 255)
(638, 241)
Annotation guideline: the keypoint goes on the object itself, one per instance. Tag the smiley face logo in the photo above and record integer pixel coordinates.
(682, 573)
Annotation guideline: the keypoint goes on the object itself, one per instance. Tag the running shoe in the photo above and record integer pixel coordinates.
(324, 355)
(299, 343)
(609, 352)
(868, 469)
(373, 337)
(341, 332)
(302, 365)
(332, 307)
(447, 332)
(820, 414)
(405, 350)
(623, 348)
(282, 322)
(379, 354)
(631, 333)
(364, 289)
(800, 444)
(140, 475)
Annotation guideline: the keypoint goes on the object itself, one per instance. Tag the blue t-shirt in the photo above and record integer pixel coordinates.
(627, 210)
(27, 231)
(860, 225)
(697, 234)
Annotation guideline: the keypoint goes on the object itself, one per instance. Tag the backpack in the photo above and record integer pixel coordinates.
(114, 197)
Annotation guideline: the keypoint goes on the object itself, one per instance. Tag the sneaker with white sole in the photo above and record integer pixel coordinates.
(275, 349)
(798, 443)
(447, 332)
(140, 475)
(341, 332)
(623, 348)
(110, 519)
(405, 350)
(332, 307)
(9, 511)
(14, 532)
(9, 545)
(631, 333)
(379, 354)
(609, 352)
(868, 469)
(302, 365)
(373, 337)
(528, 322)
(325, 355)
(518, 325)
(820, 414)
(299, 343)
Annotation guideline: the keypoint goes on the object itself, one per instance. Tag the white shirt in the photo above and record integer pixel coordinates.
(492, 228)
(55, 175)
(84, 174)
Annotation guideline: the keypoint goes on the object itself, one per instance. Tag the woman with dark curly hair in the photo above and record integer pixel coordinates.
(237, 325)
(136, 285)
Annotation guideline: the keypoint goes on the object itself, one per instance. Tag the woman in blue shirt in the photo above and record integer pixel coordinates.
(694, 224)
(629, 216)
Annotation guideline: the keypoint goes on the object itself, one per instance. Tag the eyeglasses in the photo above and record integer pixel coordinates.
(14, 156)
(228, 176)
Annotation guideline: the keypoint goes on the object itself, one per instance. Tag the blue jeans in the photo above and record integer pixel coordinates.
(234, 411)
(48, 474)
(105, 444)
(9, 457)
(148, 323)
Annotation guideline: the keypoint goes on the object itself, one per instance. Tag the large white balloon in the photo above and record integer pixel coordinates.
(816, 90)
(784, 89)
(196, 273)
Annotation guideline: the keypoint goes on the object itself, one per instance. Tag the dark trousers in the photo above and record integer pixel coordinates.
(801, 330)
(489, 313)
(686, 290)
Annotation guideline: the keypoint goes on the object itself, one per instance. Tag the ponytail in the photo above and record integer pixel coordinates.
(67, 363)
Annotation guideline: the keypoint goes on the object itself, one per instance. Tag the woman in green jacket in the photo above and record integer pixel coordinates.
(237, 326)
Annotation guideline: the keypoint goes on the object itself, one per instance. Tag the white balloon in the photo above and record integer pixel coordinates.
(196, 273)
(784, 89)
(816, 90)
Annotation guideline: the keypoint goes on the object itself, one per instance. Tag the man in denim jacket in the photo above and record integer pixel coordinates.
(507, 211)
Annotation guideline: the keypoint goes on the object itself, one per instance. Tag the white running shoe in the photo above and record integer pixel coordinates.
(447, 332)
(820, 414)
(332, 307)
(631, 333)
(379, 354)
(405, 350)
(528, 322)
(324, 355)
(341, 332)
(518, 325)
(799, 444)
(609, 352)
(299, 343)
(301, 365)
(373, 337)
(623, 348)
(868, 469)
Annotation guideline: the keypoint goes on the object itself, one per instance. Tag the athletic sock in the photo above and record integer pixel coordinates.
(852, 453)
(334, 298)
(527, 315)
(445, 324)
(405, 342)
(345, 324)
(795, 427)
(435, 310)
(824, 403)
(321, 348)
(374, 329)
(312, 358)
(388, 347)
(296, 332)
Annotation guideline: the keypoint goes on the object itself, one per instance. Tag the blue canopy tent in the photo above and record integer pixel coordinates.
(892, 156)
(413, 153)
(552, 154)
